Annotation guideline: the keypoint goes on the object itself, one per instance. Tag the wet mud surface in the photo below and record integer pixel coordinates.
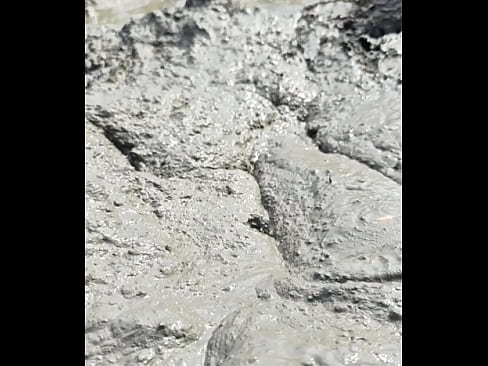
(243, 185)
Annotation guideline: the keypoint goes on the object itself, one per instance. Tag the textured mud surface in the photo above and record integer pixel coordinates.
(346, 217)
(243, 186)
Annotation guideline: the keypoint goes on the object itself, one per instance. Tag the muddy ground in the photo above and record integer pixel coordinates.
(243, 183)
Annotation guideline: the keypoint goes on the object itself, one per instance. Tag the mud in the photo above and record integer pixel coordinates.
(121, 11)
(357, 112)
(284, 333)
(243, 184)
(157, 247)
(346, 217)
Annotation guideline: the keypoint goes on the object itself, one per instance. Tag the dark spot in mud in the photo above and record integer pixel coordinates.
(310, 65)
(229, 190)
(348, 25)
(135, 160)
(89, 67)
(196, 3)
(259, 223)
(346, 47)
(189, 32)
(289, 54)
(312, 132)
(395, 315)
(365, 44)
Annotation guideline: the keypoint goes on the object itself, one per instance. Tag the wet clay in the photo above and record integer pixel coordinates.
(243, 184)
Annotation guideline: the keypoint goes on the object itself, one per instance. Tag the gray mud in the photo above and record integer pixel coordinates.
(346, 217)
(284, 333)
(243, 183)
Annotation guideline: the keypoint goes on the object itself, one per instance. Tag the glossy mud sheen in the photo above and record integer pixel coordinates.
(243, 184)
